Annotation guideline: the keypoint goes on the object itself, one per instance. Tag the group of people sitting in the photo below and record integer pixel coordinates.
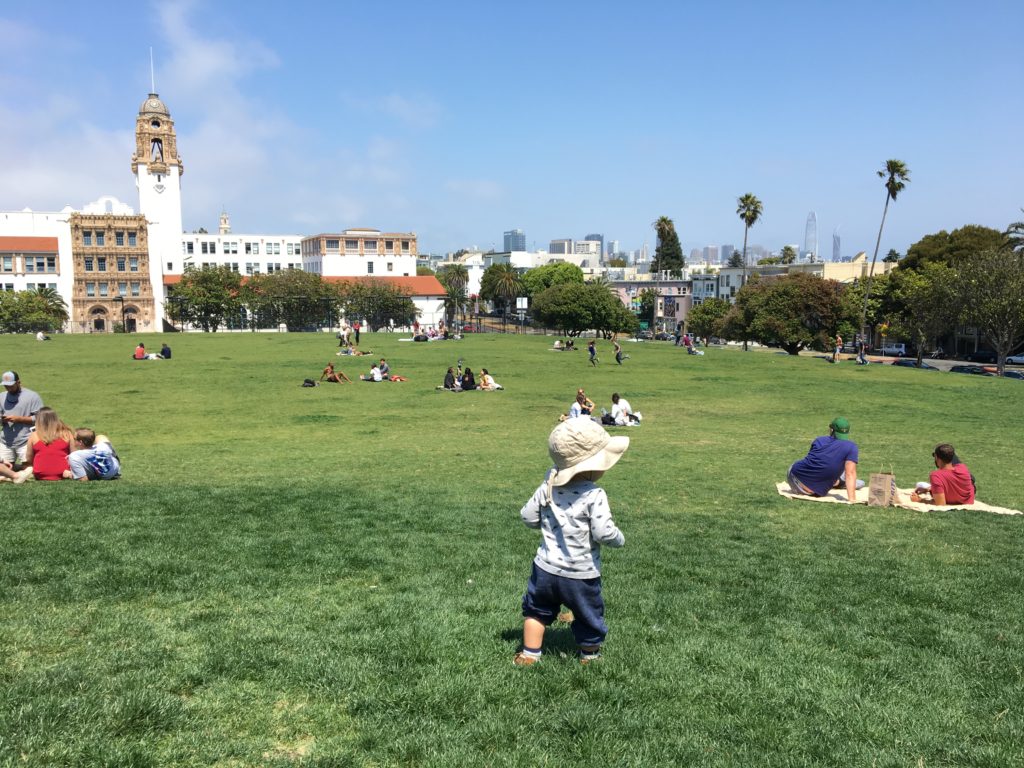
(568, 346)
(36, 445)
(463, 380)
(621, 415)
(832, 463)
(141, 354)
(378, 372)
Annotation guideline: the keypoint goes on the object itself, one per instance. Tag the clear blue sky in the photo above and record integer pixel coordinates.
(460, 120)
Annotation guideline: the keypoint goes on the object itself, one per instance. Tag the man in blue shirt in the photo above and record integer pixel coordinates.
(831, 463)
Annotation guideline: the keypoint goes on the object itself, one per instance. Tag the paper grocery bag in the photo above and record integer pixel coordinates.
(882, 489)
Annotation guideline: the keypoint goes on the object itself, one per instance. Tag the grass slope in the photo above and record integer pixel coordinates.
(331, 576)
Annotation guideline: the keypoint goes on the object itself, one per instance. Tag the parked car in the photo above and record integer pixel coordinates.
(977, 370)
(1015, 359)
(894, 349)
(648, 335)
(1013, 374)
(981, 356)
(911, 363)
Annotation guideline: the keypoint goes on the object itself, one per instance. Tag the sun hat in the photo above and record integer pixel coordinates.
(841, 428)
(10, 379)
(581, 445)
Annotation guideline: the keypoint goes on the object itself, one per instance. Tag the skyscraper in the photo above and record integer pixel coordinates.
(711, 254)
(597, 239)
(515, 240)
(726, 253)
(811, 237)
(836, 253)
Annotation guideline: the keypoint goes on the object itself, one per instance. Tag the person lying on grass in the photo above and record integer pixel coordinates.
(573, 516)
(93, 457)
(337, 377)
(950, 483)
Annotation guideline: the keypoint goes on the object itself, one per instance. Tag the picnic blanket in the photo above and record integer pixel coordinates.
(838, 496)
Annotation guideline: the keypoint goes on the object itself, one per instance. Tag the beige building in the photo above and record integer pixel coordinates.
(110, 257)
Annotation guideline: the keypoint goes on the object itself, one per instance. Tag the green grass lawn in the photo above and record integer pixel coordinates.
(332, 576)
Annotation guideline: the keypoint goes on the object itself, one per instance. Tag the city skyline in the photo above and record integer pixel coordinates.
(290, 132)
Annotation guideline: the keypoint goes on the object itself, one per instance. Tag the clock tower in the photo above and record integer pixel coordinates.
(158, 170)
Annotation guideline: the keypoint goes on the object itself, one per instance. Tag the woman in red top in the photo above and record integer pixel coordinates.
(49, 446)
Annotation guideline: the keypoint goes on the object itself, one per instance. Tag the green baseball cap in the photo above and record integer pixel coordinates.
(841, 428)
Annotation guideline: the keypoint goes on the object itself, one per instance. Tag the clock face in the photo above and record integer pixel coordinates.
(153, 103)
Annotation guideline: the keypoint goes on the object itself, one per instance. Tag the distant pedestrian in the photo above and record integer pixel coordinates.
(592, 349)
(839, 348)
(862, 358)
(355, 327)
(618, 351)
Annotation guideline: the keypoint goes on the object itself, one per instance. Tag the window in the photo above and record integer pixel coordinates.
(230, 248)
(170, 266)
(122, 289)
(30, 265)
(88, 263)
(249, 247)
(135, 288)
(369, 267)
(234, 266)
(8, 263)
(90, 289)
(293, 249)
(87, 238)
(51, 263)
(405, 246)
(273, 249)
(277, 266)
(9, 287)
(120, 263)
(389, 246)
(351, 245)
(103, 289)
(101, 263)
(333, 245)
(100, 238)
(370, 245)
(391, 267)
(248, 267)
(133, 241)
(119, 238)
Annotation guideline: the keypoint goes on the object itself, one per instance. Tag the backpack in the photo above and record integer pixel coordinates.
(309, 383)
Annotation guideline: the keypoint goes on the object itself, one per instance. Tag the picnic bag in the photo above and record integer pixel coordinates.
(882, 489)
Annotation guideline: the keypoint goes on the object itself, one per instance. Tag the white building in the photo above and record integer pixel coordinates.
(35, 251)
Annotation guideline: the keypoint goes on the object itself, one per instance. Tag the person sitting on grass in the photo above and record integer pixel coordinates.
(165, 352)
(140, 352)
(385, 369)
(93, 457)
(487, 381)
(558, 345)
(47, 450)
(950, 483)
(374, 375)
(450, 382)
(622, 413)
(468, 380)
(573, 516)
(831, 463)
(333, 376)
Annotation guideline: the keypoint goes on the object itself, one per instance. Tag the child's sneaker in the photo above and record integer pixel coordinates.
(523, 659)
(587, 655)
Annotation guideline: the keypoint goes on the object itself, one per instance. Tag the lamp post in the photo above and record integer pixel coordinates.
(119, 298)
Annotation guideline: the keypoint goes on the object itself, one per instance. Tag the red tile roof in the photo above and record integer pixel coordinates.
(28, 244)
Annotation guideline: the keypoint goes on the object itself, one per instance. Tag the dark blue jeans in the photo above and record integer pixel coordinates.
(546, 593)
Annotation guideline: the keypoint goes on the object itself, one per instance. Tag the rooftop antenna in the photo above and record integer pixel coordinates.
(152, 74)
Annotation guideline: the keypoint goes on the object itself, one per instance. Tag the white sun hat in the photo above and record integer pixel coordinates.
(581, 445)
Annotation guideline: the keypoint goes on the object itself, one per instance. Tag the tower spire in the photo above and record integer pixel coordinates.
(152, 72)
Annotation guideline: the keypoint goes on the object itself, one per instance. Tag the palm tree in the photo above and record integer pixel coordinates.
(507, 285)
(749, 209)
(896, 175)
(1015, 235)
(53, 303)
(455, 278)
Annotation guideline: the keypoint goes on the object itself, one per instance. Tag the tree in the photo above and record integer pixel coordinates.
(926, 303)
(768, 261)
(705, 319)
(454, 278)
(897, 176)
(500, 284)
(668, 255)
(377, 303)
(952, 248)
(788, 255)
(892, 257)
(422, 271)
(541, 278)
(1015, 235)
(30, 311)
(575, 307)
(749, 209)
(735, 260)
(206, 297)
(992, 292)
(649, 304)
(617, 263)
(300, 300)
(795, 311)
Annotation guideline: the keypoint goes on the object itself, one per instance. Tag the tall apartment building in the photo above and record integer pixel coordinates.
(515, 240)
(560, 247)
(711, 254)
(596, 238)
(726, 252)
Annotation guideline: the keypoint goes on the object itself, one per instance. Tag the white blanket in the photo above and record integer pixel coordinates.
(838, 496)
